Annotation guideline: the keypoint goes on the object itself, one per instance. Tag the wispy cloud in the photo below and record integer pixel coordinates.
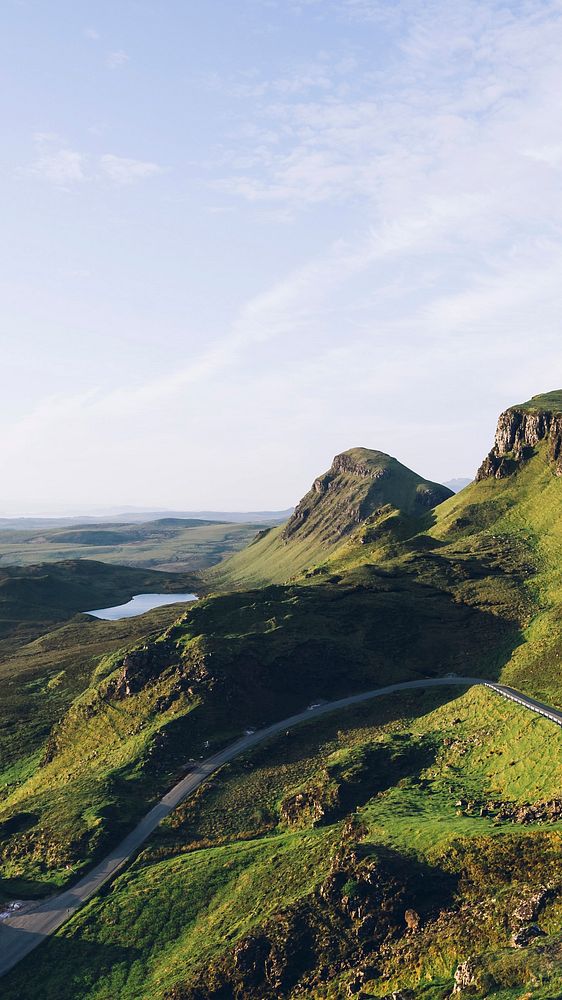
(419, 177)
(60, 165)
(117, 59)
(123, 170)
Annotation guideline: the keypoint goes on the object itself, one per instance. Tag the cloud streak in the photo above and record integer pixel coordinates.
(65, 167)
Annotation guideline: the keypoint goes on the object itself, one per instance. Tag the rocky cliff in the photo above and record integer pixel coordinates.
(360, 482)
(520, 430)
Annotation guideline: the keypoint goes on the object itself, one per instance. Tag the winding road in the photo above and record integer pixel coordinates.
(22, 932)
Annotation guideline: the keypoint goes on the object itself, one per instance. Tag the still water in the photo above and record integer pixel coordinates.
(139, 604)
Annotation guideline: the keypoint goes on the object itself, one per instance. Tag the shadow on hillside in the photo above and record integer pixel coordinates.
(331, 640)
(24, 888)
(430, 888)
(338, 729)
(60, 969)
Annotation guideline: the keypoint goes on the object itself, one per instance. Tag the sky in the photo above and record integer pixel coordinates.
(241, 236)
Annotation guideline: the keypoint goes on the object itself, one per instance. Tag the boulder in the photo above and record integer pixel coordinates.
(527, 934)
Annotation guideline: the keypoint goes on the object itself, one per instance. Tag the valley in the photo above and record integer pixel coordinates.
(413, 842)
(168, 544)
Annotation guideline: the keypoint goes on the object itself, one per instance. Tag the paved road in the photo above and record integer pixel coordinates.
(22, 933)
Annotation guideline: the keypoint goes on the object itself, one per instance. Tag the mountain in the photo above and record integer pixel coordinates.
(132, 515)
(456, 485)
(407, 846)
(360, 485)
(521, 429)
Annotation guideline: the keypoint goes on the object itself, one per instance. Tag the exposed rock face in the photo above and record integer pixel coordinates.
(519, 431)
(307, 803)
(467, 975)
(139, 666)
(527, 934)
(145, 664)
(529, 909)
(527, 812)
(357, 909)
(360, 483)
(412, 920)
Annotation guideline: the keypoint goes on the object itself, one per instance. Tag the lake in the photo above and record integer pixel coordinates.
(139, 604)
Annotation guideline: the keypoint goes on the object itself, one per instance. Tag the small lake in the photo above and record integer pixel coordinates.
(139, 604)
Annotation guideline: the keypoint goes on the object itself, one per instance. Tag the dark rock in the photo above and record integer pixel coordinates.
(250, 956)
(529, 909)
(467, 975)
(412, 920)
(518, 433)
(527, 934)
(306, 804)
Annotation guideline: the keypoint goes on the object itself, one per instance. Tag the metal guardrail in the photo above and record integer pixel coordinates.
(534, 706)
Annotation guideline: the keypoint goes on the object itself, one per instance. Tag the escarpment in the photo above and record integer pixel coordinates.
(520, 430)
(360, 482)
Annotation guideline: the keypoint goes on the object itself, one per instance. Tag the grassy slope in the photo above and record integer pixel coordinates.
(519, 515)
(35, 598)
(186, 546)
(393, 604)
(48, 653)
(233, 661)
(551, 401)
(40, 680)
(477, 591)
(226, 863)
(361, 483)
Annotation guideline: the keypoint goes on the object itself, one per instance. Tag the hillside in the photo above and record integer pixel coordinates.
(361, 484)
(33, 598)
(376, 850)
(441, 807)
(170, 543)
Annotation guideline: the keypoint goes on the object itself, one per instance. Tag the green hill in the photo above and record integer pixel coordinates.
(32, 598)
(361, 484)
(293, 873)
(169, 543)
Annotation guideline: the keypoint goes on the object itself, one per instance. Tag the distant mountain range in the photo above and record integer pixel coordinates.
(137, 515)
(456, 485)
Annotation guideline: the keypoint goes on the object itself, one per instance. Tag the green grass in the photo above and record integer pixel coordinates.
(40, 680)
(360, 484)
(378, 591)
(168, 544)
(215, 873)
(550, 401)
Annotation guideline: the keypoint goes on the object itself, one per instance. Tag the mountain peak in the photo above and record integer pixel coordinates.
(359, 482)
(520, 430)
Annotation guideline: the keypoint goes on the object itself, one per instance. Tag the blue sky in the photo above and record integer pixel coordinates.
(239, 237)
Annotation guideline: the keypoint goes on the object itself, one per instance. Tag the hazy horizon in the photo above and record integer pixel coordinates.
(242, 238)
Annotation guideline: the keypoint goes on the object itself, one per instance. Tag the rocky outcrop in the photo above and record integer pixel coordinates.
(359, 484)
(518, 433)
(146, 664)
(529, 909)
(139, 666)
(357, 909)
(524, 937)
(307, 806)
(467, 976)
(333, 482)
(526, 812)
